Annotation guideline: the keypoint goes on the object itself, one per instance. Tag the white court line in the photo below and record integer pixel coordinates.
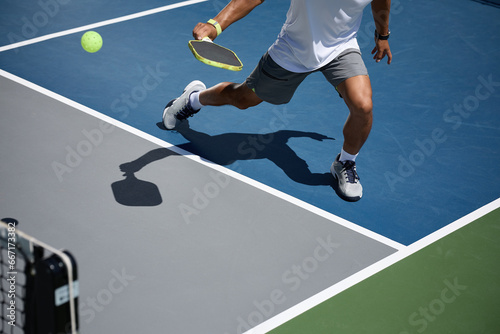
(336, 219)
(99, 24)
(277, 193)
(360, 276)
(272, 323)
(403, 251)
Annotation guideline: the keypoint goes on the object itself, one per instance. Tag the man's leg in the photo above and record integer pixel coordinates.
(228, 93)
(196, 95)
(357, 94)
(275, 87)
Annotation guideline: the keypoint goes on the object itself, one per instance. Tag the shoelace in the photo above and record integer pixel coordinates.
(185, 112)
(350, 170)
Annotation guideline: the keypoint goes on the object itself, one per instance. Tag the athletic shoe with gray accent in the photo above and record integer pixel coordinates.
(180, 108)
(349, 187)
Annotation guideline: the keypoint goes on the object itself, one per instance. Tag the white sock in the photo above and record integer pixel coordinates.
(194, 100)
(344, 156)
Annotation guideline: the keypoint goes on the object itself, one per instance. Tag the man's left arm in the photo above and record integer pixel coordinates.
(381, 10)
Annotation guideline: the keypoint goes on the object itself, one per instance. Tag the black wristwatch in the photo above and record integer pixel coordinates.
(382, 37)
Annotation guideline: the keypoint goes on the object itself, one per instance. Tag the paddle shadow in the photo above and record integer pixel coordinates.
(134, 192)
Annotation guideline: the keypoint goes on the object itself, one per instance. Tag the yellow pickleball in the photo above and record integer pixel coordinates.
(91, 41)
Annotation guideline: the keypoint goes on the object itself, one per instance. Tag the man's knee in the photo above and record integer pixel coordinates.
(357, 94)
(360, 105)
(363, 106)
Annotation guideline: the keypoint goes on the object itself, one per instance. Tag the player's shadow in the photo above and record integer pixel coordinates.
(226, 149)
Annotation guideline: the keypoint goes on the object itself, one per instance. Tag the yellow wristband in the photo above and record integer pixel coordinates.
(216, 25)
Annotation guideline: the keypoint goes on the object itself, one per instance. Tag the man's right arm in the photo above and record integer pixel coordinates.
(234, 11)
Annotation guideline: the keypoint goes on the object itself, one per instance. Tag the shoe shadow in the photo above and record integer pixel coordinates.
(224, 149)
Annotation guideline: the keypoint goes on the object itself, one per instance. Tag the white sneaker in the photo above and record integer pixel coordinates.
(349, 187)
(180, 108)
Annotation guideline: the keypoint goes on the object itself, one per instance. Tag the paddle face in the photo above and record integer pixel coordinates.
(215, 55)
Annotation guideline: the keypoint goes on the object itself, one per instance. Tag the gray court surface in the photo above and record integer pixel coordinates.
(173, 247)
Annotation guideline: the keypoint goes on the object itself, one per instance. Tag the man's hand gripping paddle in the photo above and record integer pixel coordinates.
(213, 54)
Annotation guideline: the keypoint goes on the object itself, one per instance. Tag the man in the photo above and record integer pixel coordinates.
(318, 35)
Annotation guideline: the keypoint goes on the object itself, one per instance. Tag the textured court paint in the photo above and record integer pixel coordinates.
(450, 286)
(20, 42)
(407, 110)
(185, 151)
(24, 20)
(200, 245)
(438, 183)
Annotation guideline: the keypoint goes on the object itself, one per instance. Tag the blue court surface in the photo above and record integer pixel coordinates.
(432, 157)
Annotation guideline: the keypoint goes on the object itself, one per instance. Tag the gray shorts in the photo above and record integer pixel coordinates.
(275, 85)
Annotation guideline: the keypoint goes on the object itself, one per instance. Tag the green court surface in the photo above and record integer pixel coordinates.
(450, 286)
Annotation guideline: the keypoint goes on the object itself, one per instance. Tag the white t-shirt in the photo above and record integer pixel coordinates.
(317, 31)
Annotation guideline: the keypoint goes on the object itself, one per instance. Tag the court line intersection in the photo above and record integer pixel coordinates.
(401, 253)
(402, 250)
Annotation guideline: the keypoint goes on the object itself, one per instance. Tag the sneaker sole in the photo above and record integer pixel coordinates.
(165, 113)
